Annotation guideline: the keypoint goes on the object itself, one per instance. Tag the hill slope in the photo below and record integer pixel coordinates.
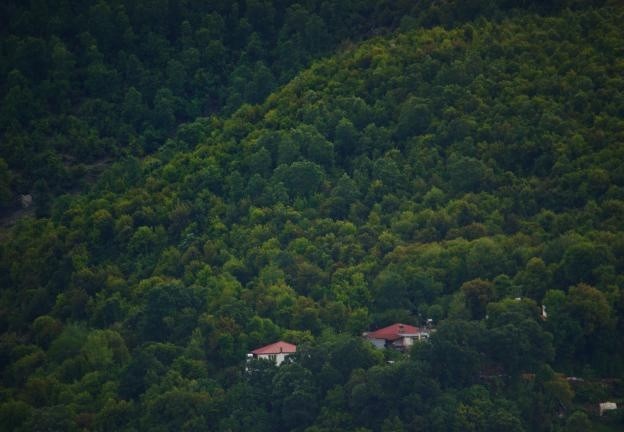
(93, 81)
(434, 174)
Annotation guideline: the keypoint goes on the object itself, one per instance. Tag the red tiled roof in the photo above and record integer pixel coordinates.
(393, 332)
(276, 348)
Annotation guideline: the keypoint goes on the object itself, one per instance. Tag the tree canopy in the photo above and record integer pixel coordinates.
(308, 172)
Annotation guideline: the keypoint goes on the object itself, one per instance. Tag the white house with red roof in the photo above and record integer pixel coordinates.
(398, 336)
(276, 352)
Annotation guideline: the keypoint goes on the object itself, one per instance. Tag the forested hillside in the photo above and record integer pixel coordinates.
(470, 173)
(83, 83)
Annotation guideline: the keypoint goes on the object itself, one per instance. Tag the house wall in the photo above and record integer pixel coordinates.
(379, 343)
(405, 341)
(277, 358)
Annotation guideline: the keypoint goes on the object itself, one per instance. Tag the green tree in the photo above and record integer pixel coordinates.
(6, 194)
(345, 138)
(46, 329)
(467, 173)
(580, 260)
(535, 279)
(389, 291)
(314, 146)
(477, 293)
(133, 108)
(42, 197)
(54, 418)
(578, 421)
(455, 352)
(164, 110)
(414, 118)
(300, 178)
(13, 414)
(294, 395)
(590, 307)
(170, 312)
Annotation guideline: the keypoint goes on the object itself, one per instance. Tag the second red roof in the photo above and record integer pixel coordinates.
(276, 348)
(393, 332)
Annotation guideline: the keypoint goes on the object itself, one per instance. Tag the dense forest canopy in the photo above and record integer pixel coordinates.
(83, 83)
(90, 81)
(308, 172)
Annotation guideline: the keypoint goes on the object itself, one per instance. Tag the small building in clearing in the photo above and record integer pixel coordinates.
(398, 336)
(275, 352)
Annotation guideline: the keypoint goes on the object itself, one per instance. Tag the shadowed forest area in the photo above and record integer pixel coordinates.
(208, 177)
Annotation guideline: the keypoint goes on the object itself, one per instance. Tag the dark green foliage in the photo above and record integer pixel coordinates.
(468, 175)
(164, 63)
(414, 118)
